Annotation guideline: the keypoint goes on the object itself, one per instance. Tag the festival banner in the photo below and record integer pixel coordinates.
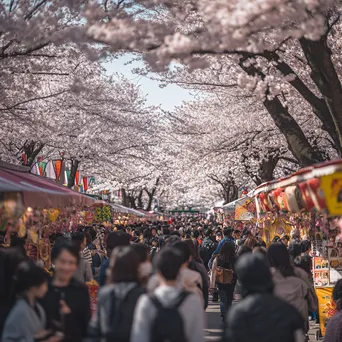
(85, 183)
(42, 166)
(58, 168)
(245, 209)
(332, 188)
(326, 306)
(77, 177)
(50, 170)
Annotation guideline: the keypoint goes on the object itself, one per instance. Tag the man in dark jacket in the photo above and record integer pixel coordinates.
(260, 316)
(207, 248)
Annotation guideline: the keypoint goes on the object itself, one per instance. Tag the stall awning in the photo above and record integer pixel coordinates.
(122, 209)
(39, 192)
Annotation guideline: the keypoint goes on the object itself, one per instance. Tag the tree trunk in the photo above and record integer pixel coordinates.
(151, 195)
(139, 199)
(318, 105)
(74, 167)
(125, 199)
(324, 74)
(297, 143)
(31, 150)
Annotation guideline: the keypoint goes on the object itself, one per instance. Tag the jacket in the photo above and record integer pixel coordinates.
(75, 325)
(223, 241)
(84, 272)
(333, 332)
(23, 322)
(200, 268)
(294, 290)
(263, 317)
(191, 311)
(102, 322)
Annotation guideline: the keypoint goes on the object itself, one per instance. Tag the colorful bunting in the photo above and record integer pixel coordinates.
(85, 183)
(58, 168)
(77, 177)
(50, 170)
(42, 166)
(35, 170)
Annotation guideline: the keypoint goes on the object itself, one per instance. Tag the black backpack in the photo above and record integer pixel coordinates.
(119, 321)
(168, 325)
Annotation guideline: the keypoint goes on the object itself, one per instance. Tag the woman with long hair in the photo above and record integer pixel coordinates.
(67, 302)
(290, 284)
(117, 300)
(223, 276)
(26, 321)
(333, 332)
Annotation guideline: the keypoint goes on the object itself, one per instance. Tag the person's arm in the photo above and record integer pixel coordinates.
(217, 250)
(299, 336)
(143, 316)
(213, 274)
(88, 273)
(103, 272)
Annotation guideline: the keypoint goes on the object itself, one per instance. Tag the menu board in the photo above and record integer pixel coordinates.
(335, 266)
(320, 272)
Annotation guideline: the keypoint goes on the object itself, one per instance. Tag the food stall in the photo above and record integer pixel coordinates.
(308, 205)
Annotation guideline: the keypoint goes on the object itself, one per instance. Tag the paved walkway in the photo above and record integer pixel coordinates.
(214, 325)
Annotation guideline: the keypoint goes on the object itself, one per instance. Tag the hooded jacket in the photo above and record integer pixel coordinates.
(260, 316)
(103, 321)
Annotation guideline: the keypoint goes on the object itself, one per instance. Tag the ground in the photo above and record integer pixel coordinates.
(214, 325)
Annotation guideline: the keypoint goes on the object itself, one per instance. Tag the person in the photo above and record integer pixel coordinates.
(154, 247)
(196, 264)
(67, 302)
(223, 276)
(207, 248)
(26, 321)
(169, 314)
(333, 331)
(114, 239)
(84, 272)
(189, 280)
(227, 232)
(117, 300)
(261, 250)
(10, 258)
(288, 282)
(145, 268)
(260, 316)
(306, 259)
(88, 246)
(285, 240)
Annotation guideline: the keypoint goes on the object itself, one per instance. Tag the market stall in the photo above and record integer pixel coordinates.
(308, 205)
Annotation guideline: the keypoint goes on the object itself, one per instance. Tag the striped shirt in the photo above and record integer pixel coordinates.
(87, 256)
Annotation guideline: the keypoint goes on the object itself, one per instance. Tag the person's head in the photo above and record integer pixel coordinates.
(193, 249)
(261, 250)
(92, 233)
(227, 232)
(306, 246)
(145, 265)
(116, 239)
(166, 231)
(184, 249)
(243, 250)
(154, 232)
(227, 252)
(337, 295)
(295, 250)
(208, 233)
(65, 257)
(276, 239)
(237, 234)
(167, 264)
(250, 242)
(279, 258)
(171, 239)
(124, 265)
(218, 236)
(30, 278)
(18, 243)
(88, 237)
(285, 240)
(254, 274)
(79, 240)
(195, 234)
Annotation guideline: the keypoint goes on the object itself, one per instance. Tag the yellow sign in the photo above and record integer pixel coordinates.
(332, 188)
(245, 209)
(326, 306)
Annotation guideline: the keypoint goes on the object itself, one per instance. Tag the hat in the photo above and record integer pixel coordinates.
(254, 273)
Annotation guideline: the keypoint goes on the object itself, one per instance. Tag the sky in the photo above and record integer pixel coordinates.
(167, 97)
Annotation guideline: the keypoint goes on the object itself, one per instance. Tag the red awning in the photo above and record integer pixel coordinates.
(39, 192)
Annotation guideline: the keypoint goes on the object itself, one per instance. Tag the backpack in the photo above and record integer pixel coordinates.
(168, 325)
(206, 250)
(224, 275)
(120, 329)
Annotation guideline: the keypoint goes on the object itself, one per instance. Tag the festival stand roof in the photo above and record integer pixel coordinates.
(122, 209)
(38, 192)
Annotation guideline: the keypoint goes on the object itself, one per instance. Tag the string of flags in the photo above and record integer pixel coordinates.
(55, 169)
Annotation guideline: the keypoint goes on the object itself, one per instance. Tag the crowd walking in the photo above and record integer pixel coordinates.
(155, 284)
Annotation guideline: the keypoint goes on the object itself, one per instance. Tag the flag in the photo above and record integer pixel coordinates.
(66, 176)
(77, 177)
(24, 158)
(62, 178)
(42, 166)
(35, 169)
(58, 168)
(50, 170)
(85, 183)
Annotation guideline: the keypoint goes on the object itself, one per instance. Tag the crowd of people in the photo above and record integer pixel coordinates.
(155, 283)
